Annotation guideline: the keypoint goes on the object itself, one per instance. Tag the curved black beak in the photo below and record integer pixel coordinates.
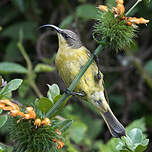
(57, 29)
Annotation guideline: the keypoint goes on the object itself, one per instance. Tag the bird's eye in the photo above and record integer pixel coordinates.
(65, 36)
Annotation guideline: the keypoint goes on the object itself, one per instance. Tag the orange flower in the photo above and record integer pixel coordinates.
(37, 122)
(119, 11)
(14, 113)
(9, 103)
(2, 105)
(46, 121)
(58, 132)
(138, 20)
(103, 8)
(60, 144)
(54, 140)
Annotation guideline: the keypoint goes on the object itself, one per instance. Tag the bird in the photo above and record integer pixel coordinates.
(70, 59)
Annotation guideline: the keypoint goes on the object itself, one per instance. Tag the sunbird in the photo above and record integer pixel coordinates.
(70, 58)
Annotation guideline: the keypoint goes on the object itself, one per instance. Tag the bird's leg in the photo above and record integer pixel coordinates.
(97, 62)
(69, 92)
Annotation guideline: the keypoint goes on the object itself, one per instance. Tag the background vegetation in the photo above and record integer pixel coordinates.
(127, 75)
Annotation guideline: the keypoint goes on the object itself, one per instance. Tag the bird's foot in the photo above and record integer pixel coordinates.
(69, 92)
(97, 62)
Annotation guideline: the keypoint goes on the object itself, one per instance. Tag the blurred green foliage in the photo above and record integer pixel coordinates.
(130, 95)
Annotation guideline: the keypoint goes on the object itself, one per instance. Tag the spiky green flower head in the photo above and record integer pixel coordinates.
(29, 137)
(114, 29)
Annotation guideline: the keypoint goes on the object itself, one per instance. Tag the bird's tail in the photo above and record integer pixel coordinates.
(115, 127)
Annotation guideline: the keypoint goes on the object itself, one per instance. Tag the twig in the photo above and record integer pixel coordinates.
(133, 7)
(29, 67)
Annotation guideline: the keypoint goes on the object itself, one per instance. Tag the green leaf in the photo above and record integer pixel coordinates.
(3, 120)
(23, 89)
(53, 92)
(1, 111)
(11, 52)
(86, 11)
(135, 141)
(11, 86)
(148, 67)
(10, 67)
(67, 21)
(43, 68)
(140, 123)
(78, 131)
(45, 104)
(13, 30)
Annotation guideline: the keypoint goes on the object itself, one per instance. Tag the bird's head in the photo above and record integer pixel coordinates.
(66, 37)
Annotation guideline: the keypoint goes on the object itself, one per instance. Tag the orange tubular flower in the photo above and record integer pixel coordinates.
(119, 11)
(46, 121)
(58, 132)
(138, 20)
(54, 140)
(60, 144)
(27, 116)
(37, 122)
(103, 8)
(120, 7)
(2, 105)
(14, 113)
(9, 103)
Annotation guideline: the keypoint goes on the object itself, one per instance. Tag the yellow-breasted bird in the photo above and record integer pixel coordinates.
(70, 58)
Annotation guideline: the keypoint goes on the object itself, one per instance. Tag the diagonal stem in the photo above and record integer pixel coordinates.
(127, 13)
(76, 80)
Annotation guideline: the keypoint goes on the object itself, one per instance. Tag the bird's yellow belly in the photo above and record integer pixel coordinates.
(69, 64)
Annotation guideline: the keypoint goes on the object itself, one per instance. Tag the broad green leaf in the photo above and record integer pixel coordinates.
(86, 11)
(135, 141)
(13, 30)
(67, 21)
(140, 123)
(10, 67)
(11, 86)
(148, 67)
(43, 68)
(23, 89)
(3, 120)
(3, 148)
(56, 99)
(53, 92)
(1, 111)
(78, 131)
(11, 53)
(45, 104)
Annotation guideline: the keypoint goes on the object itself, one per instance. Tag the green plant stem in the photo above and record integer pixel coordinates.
(76, 80)
(129, 11)
(26, 57)
(30, 71)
